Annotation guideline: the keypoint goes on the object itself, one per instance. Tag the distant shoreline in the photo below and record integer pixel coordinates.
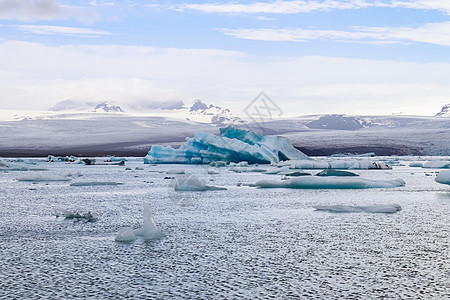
(96, 152)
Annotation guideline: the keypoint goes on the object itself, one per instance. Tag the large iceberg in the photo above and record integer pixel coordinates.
(233, 145)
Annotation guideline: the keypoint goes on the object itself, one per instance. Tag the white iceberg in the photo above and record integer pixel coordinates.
(38, 177)
(443, 177)
(313, 182)
(437, 164)
(148, 230)
(192, 183)
(233, 145)
(376, 208)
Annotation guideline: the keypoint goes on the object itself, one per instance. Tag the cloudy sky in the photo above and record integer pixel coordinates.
(322, 56)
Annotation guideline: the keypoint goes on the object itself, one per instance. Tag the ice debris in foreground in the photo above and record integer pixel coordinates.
(313, 182)
(148, 231)
(233, 145)
(192, 183)
(443, 177)
(76, 216)
(376, 208)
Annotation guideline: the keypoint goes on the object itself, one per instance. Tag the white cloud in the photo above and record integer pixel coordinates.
(31, 10)
(38, 76)
(307, 6)
(278, 7)
(432, 33)
(71, 31)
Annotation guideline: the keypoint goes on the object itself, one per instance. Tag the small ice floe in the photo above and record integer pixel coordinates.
(6, 165)
(218, 163)
(126, 235)
(175, 171)
(376, 208)
(437, 164)
(416, 165)
(281, 171)
(362, 164)
(332, 172)
(148, 231)
(192, 183)
(297, 174)
(313, 182)
(443, 177)
(39, 177)
(94, 183)
(76, 216)
(247, 170)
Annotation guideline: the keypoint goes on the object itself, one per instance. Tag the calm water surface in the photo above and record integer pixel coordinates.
(242, 243)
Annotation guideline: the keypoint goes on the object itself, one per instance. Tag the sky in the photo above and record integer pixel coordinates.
(310, 57)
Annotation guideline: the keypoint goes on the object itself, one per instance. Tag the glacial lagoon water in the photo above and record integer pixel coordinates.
(239, 243)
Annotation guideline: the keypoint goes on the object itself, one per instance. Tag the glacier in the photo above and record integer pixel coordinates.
(233, 145)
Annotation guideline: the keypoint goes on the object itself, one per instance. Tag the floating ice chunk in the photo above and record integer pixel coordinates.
(149, 230)
(314, 182)
(376, 208)
(443, 177)
(175, 171)
(339, 208)
(382, 208)
(192, 183)
(126, 235)
(332, 172)
(76, 216)
(242, 164)
(6, 165)
(363, 164)
(218, 163)
(297, 174)
(37, 177)
(438, 164)
(416, 164)
(94, 183)
(282, 171)
(247, 170)
(233, 145)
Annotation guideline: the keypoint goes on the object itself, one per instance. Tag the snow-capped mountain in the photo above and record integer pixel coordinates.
(445, 111)
(215, 114)
(108, 108)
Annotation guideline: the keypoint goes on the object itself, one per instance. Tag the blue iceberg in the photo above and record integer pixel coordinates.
(233, 145)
